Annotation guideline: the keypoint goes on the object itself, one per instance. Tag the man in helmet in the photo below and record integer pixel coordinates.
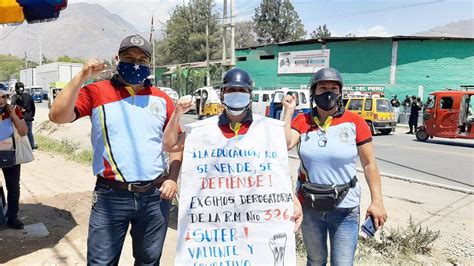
(27, 105)
(236, 128)
(330, 140)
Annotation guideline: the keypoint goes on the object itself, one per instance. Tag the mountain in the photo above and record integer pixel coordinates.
(463, 28)
(82, 30)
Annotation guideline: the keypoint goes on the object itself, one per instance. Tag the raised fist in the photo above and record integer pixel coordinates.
(93, 67)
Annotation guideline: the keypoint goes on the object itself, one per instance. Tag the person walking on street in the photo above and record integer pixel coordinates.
(128, 117)
(329, 141)
(27, 105)
(415, 108)
(11, 117)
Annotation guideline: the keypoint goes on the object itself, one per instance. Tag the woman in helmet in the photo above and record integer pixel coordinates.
(329, 141)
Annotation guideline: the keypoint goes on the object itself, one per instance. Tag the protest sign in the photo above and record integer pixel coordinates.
(235, 203)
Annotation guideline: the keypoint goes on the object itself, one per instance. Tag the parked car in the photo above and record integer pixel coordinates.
(376, 111)
(275, 108)
(171, 93)
(36, 92)
(449, 115)
(261, 101)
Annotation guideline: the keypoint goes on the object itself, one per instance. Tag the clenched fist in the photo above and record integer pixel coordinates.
(289, 102)
(182, 106)
(92, 68)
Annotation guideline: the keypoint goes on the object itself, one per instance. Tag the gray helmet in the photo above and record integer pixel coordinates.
(237, 78)
(325, 74)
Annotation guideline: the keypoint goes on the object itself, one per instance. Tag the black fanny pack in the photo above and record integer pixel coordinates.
(8, 157)
(323, 197)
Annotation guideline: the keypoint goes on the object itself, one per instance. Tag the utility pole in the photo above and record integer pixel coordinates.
(152, 39)
(40, 50)
(232, 35)
(208, 73)
(224, 36)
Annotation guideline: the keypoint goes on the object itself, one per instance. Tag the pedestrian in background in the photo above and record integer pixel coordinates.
(416, 106)
(11, 117)
(27, 105)
(329, 141)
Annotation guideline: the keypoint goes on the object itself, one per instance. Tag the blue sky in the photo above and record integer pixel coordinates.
(375, 18)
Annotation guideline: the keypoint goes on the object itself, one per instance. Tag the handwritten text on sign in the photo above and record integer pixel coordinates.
(235, 204)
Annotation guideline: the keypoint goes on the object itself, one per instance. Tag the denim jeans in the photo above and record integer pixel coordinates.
(30, 134)
(12, 182)
(342, 225)
(112, 212)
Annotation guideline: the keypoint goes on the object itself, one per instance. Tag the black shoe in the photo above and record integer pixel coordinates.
(15, 224)
(409, 132)
(34, 147)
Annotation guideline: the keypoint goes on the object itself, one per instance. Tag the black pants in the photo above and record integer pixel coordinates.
(12, 180)
(413, 123)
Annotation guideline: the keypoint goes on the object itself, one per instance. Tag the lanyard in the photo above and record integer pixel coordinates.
(323, 127)
(236, 129)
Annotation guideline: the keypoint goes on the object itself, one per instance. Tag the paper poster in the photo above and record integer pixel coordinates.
(235, 198)
(309, 61)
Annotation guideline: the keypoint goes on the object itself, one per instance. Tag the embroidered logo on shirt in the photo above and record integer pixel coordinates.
(155, 109)
(343, 135)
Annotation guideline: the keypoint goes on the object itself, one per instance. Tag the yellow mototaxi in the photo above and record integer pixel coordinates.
(209, 102)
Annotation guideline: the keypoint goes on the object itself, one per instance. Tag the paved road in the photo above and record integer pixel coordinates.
(444, 161)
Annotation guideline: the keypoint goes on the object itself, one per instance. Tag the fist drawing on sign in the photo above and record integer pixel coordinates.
(278, 245)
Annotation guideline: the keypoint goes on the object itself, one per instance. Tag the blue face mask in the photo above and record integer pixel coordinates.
(133, 74)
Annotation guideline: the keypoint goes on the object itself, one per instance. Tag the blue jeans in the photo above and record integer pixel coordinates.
(12, 182)
(30, 134)
(111, 214)
(342, 224)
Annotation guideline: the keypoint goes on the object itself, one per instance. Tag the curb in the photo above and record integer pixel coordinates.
(411, 180)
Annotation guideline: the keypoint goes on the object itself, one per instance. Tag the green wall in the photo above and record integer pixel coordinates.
(434, 63)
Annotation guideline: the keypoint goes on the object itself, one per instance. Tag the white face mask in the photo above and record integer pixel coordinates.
(236, 100)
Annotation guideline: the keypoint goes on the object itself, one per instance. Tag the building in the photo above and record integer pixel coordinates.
(402, 65)
(46, 74)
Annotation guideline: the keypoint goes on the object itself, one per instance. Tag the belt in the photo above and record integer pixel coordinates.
(137, 187)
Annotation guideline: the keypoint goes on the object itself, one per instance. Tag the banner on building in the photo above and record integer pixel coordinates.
(235, 199)
(363, 88)
(308, 61)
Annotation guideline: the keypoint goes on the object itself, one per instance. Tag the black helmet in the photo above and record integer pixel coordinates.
(325, 74)
(237, 78)
(19, 85)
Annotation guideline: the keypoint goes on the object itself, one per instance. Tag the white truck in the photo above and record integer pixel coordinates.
(46, 74)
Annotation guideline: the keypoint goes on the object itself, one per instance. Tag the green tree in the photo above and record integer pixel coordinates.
(185, 34)
(10, 66)
(277, 21)
(68, 59)
(245, 35)
(320, 32)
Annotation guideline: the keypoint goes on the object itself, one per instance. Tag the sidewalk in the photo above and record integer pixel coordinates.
(58, 193)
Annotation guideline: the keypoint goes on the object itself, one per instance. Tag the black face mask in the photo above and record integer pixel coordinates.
(327, 100)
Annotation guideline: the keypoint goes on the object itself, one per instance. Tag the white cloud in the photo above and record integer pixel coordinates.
(378, 31)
